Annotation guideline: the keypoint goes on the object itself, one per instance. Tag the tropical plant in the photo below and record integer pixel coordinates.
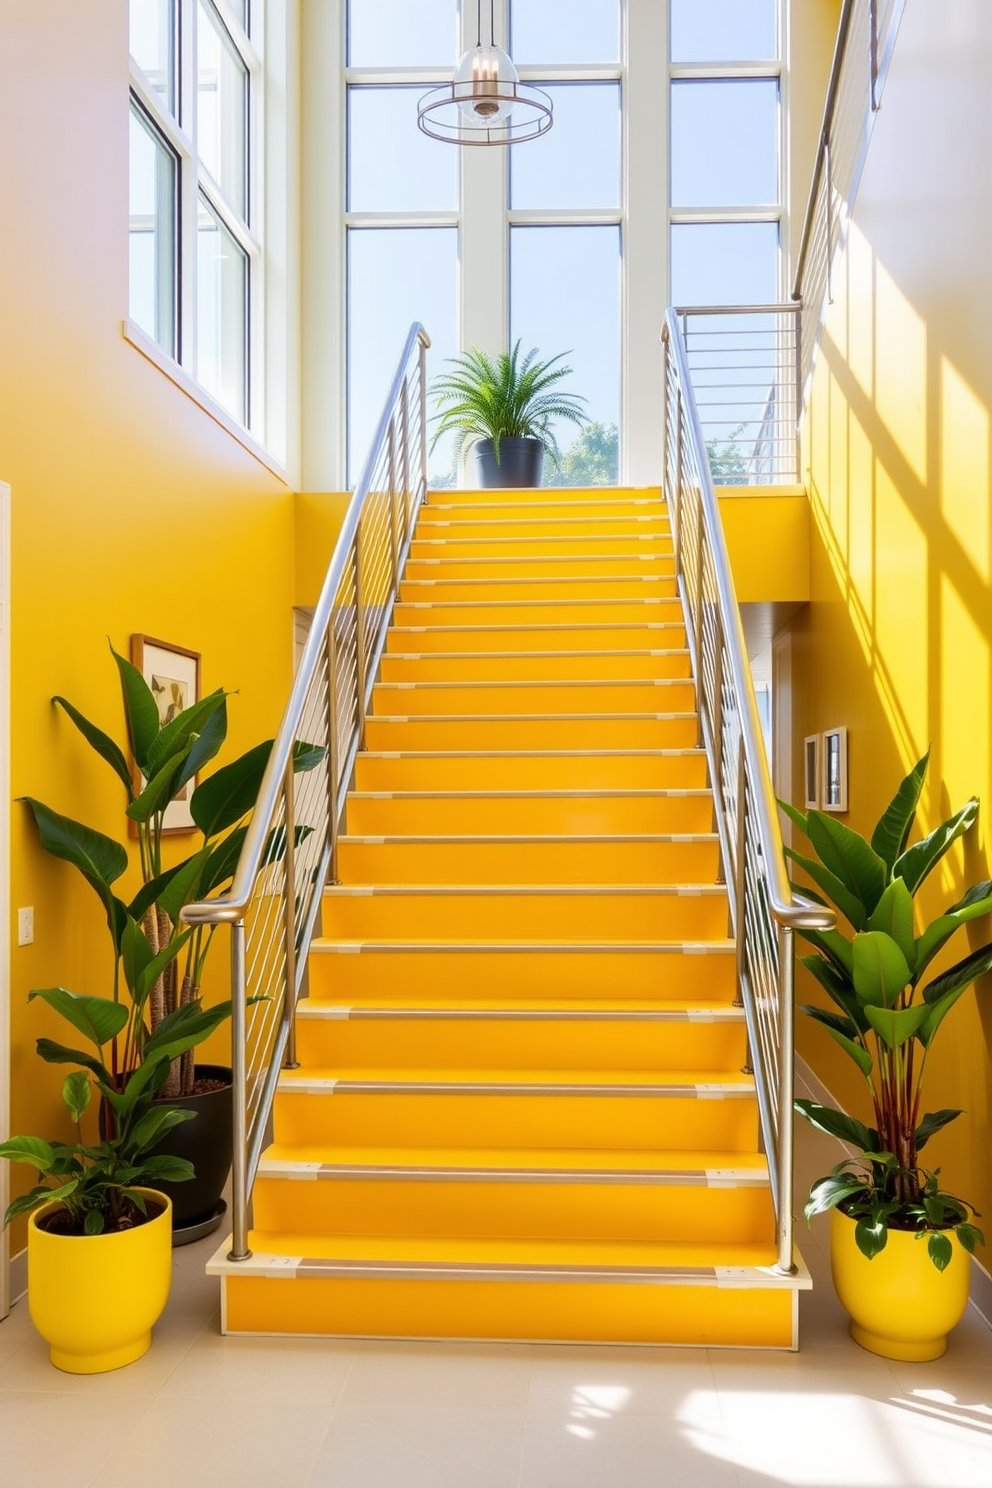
(503, 397)
(97, 1184)
(159, 961)
(887, 1011)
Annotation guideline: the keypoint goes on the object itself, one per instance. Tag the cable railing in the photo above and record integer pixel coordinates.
(865, 40)
(744, 363)
(765, 912)
(290, 850)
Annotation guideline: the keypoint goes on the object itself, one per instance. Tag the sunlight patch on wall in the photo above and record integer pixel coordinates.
(964, 466)
(861, 321)
(861, 532)
(901, 606)
(901, 371)
(964, 700)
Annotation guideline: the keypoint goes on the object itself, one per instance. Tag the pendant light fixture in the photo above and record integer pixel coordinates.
(485, 103)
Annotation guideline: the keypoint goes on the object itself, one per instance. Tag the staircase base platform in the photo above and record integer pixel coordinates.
(658, 1297)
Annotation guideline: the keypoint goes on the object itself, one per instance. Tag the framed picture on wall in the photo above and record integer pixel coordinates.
(173, 674)
(811, 771)
(835, 769)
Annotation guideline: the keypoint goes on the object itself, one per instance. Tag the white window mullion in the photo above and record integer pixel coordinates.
(189, 196)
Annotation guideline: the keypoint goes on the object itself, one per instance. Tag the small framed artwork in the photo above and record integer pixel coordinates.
(811, 771)
(835, 769)
(173, 674)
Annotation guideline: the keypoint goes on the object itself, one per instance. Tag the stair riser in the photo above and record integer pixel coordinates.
(494, 700)
(519, 916)
(528, 862)
(467, 975)
(648, 771)
(514, 1211)
(438, 589)
(558, 500)
(487, 527)
(538, 668)
(701, 1316)
(507, 636)
(483, 1044)
(455, 546)
(406, 733)
(430, 610)
(516, 1121)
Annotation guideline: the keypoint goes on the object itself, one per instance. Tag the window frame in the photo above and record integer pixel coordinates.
(179, 134)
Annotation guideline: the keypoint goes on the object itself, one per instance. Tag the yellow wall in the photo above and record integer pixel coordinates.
(768, 545)
(896, 640)
(132, 509)
(318, 522)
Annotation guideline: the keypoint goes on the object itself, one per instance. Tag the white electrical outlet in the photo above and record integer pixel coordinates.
(25, 926)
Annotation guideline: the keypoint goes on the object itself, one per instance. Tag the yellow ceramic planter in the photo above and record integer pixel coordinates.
(900, 1305)
(95, 1298)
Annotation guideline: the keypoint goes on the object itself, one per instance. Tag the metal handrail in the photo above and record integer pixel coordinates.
(866, 37)
(291, 843)
(765, 910)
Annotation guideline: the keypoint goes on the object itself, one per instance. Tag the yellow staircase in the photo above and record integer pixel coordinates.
(523, 1107)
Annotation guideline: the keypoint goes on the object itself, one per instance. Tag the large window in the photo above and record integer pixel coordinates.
(194, 247)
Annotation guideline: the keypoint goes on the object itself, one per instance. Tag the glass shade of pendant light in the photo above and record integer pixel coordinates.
(486, 103)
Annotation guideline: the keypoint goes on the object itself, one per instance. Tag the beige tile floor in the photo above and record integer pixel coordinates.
(202, 1410)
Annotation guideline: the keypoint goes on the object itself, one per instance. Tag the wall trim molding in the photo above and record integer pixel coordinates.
(18, 1276)
(980, 1294)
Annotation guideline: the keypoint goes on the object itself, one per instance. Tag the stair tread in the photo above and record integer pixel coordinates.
(315, 1008)
(380, 837)
(330, 945)
(753, 1165)
(687, 752)
(586, 793)
(694, 1257)
(534, 655)
(514, 1078)
(686, 890)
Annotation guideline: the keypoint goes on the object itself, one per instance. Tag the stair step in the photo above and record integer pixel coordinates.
(499, 610)
(668, 637)
(519, 666)
(557, 912)
(529, 860)
(567, 501)
(527, 813)
(457, 543)
(482, 1037)
(529, 731)
(517, 1108)
(526, 1199)
(540, 698)
(503, 524)
(579, 769)
(440, 588)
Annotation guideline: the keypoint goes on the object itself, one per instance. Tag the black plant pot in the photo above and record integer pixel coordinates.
(520, 464)
(207, 1142)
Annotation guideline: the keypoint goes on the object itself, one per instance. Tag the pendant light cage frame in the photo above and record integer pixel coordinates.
(441, 113)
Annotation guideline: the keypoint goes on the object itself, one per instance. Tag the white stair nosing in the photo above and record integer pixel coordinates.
(640, 651)
(672, 717)
(393, 946)
(336, 1013)
(287, 1170)
(687, 1090)
(521, 840)
(693, 751)
(586, 794)
(566, 891)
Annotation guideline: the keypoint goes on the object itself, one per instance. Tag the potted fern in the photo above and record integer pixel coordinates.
(503, 408)
(896, 1235)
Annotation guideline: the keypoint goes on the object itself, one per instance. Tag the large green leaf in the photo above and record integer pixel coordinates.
(140, 710)
(223, 861)
(894, 915)
(849, 857)
(77, 1092)
(163, 1168)
(230, 792)
(830, 1019)
(307, 757)
(895, 1026)
(974, 904)
(827, 1193)
(97, 1018)
(847, 902)
(838, 1124)
(932, 1123)
(880, 969)
(797, 817)
(835, 947)
(838, 988)
(53, 1053)
(32, 1150)
(936, 1012)
(136, 953)
(99, 859)
(962, 974)
(184, 885)
(871, 1237)
(174, 737)
(917, 861)
(892, 833)
(184, 1029)
(154, 1125)
(160, 789)
(208, 743)
(853, 1050)
(150, 973)
(104, 745)
(151, 892)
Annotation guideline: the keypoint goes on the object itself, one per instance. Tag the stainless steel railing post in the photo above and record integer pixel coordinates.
(698, 625)
(361, 657)
(394, 537)
(740, 875)
(333, 751)
(239, 1051)
(290, 1060)
(786, 1096)
(422, 381)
